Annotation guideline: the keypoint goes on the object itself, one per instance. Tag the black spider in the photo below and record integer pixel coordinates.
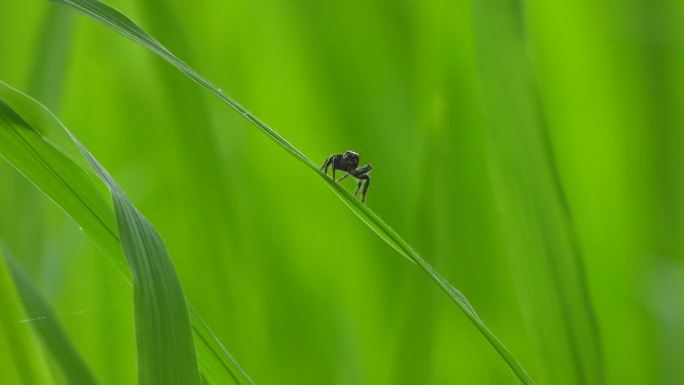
(349, 162)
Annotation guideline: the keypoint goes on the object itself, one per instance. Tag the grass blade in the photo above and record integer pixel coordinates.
(53, 336)
(540, 233)
(51, 58)
(36, 143)
(166, 354)
(122, 24)
(217, 365)
(23, 361)
(165, 349)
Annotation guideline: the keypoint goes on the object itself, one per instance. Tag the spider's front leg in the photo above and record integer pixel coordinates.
(365, 187)
(331, 161)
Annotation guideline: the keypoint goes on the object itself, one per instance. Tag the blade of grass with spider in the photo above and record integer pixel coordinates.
(125, 26)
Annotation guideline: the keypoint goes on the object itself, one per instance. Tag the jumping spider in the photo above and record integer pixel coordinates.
(349, 162)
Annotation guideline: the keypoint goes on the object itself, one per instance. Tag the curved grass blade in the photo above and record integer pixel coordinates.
(23, 361)
(48, 328)
(36, 144)
(122, 24)
(217, 365)
(541, 237)
(166, 353)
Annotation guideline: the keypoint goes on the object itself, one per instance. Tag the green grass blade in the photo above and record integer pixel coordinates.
(22, 358)
(539, 229)
(122, 24)
(35, 142)
(166, 353)
(50, 331)
(51, 58)
(53, 165)
(165, 349)
(209, 349)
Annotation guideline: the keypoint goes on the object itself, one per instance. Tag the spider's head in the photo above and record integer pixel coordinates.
(350, 155)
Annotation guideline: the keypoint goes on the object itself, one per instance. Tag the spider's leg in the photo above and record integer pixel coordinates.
(345, 175)
(326, 164)
(333, 161)
(365, 187)
(363, 170)
(359, 172)
(358, 186)
(335, 164)
(362, 174)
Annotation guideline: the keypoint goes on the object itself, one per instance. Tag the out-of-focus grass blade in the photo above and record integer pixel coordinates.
(51, 58)
(23, 361)
(36, 143)
(539, 229)
(122, 24)
(49, 329)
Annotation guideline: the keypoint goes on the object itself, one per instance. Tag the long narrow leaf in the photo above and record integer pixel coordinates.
(48, 328)
(166, 353)
(23, 361)
(122, 24)
(36, 143)
(541, 238)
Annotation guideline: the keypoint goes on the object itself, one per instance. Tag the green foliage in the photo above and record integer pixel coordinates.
(41, 149)
(146, 255)
(23, 360)
(529, 150)
(534, 209)
(50, 331)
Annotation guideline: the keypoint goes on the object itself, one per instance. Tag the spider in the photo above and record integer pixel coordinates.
(349, 162)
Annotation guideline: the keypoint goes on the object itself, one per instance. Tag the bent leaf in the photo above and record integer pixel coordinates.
(48, 328)
(38, 146)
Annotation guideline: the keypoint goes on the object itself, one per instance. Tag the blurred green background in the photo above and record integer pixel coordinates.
(292, 283)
